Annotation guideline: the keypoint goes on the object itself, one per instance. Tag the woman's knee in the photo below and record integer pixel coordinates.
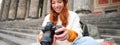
(85, 41)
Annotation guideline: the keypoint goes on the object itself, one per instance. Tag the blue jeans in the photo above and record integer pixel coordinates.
(85, 41)
(81, 41)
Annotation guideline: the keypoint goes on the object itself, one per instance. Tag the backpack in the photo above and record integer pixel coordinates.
(90, 30)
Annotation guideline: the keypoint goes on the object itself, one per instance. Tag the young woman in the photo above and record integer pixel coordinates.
(60, 15)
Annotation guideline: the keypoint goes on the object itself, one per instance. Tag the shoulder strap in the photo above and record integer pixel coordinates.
(84, 28)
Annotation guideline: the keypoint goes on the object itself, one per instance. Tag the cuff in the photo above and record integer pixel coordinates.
(72, 35)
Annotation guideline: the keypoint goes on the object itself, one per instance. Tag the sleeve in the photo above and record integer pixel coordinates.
(76, 26)
(76, 29)
(46, 19)
(72, 35)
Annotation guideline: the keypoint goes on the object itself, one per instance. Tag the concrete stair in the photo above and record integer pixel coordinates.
(114, 32)
(11, 40)
(21, 23)
(29, 31)
(116, 38)
(20, 32)
(98, 19)
(108, 24)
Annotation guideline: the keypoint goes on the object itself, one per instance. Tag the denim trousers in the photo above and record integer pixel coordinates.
(87, 40)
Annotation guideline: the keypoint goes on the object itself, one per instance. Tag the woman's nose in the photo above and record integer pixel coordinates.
(56, 4)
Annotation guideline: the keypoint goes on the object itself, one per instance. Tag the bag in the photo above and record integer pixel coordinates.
(89, 30)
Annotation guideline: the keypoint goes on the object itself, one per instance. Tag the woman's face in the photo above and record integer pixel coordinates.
(57, 5)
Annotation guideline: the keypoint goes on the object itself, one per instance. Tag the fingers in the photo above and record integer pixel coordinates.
(40, 37)
(59, 30)
(62, 36)
(54, 40)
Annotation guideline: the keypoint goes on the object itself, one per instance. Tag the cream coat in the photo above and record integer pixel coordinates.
(73, 23)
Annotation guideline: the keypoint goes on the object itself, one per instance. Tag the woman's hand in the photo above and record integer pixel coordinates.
(40, 36)
(62, 36)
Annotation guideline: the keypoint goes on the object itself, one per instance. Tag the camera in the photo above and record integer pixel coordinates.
(49, 31)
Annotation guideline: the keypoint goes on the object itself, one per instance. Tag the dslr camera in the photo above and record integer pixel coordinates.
(49, 31)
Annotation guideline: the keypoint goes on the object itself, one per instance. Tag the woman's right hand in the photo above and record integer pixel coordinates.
(40, 36)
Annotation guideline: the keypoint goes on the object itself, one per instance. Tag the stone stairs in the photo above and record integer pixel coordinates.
(108, 24)
(115, 32)
(24, 32)
(29, 31)
(12, 40)
(20, 32)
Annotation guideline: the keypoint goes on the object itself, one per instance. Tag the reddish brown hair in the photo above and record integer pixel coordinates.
(63, 14)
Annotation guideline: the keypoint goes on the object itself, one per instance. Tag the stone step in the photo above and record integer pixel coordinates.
(92, 16)
(23, 21)
(29, 31)
(26, 27)
(112, 15)
(108, 26)
(109, 21)
(6, 42)
(22, 27)
(116, 38)
(30, 23)
(109, 31)
(15, 40)
(99, 17)
(19, 34)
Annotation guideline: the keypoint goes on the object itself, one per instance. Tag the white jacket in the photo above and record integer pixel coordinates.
(73, 23)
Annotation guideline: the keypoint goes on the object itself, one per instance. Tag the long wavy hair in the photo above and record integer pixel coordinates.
(63, 14)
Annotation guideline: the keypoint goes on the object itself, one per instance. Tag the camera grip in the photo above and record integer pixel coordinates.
(57, 27)
(59, 33)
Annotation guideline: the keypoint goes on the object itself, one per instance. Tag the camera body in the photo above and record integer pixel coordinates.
(49, 31)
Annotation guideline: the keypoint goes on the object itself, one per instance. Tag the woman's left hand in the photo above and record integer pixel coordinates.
(62, 36)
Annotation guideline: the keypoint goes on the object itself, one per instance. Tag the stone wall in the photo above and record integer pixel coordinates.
(22, 9)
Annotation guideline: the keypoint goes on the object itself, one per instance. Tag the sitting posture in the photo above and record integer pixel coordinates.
(69, 22)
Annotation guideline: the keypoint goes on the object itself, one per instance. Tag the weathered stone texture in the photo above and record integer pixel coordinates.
(13, 9)
(45, 4)
(33, 13)
(21, 9)
(28, 8)
(5, 10)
